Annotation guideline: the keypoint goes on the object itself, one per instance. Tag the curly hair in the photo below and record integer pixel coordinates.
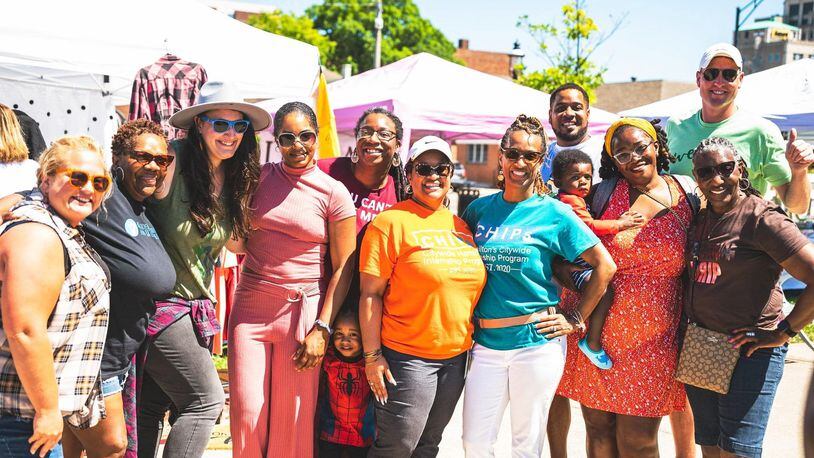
(124, 140)
(241, 175)
(608, 167)
(566, 158)
(708, 145)
(532, 126)
(397, 172)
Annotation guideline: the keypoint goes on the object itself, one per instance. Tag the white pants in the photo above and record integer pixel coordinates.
(526, 379)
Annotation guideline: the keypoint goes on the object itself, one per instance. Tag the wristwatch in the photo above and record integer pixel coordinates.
(323, 325)
(786, 327)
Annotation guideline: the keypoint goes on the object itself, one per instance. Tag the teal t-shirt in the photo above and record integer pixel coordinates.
(758, 141)
(517, 242)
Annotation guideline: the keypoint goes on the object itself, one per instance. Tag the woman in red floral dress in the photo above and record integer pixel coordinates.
(623, 406)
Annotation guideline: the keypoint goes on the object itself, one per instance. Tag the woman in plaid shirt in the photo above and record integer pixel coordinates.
(54, 304)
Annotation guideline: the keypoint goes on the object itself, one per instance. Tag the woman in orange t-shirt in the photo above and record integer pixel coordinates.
(421, 276)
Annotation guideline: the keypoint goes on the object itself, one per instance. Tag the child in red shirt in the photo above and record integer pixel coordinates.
(572, 172)
(346, 425)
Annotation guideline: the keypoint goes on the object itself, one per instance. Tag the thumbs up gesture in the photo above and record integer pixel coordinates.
(799, 153)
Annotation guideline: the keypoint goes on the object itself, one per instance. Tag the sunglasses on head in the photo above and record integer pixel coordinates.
(367, 132)
(222, 125)
(626, 156)
(724, 169)
(729, 74)
(79, 179)
(144, 158)
(514, 154)
(306, 138)
(425, 170)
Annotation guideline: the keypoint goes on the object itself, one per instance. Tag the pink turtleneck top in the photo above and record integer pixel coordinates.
(291, 210)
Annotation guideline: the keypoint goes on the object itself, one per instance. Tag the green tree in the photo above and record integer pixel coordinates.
(567, 47)
(297, 27)
(349, 23)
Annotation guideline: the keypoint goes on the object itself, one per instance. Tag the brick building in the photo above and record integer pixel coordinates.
(615, 97)
(494, 63)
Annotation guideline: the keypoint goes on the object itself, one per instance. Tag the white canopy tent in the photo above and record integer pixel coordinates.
(783, 95)
(96, 47)
(434, 96)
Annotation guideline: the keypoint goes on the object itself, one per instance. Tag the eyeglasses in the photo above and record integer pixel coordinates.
(724, 170)
(729, 74)
(425, 170)
(222, 125)
(367, 132)
(626, 156)
(79, 179)
(306, 138)
(513, 154)
(162, 160)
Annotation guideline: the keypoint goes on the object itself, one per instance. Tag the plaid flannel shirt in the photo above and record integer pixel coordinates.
(77, 330)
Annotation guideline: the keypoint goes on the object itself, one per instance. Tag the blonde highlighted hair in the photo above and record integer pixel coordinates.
(12, 143)
(53, 158)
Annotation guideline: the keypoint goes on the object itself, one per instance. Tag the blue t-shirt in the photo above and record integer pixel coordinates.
(517, 242)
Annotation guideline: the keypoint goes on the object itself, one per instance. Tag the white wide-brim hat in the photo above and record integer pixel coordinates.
(218, 95)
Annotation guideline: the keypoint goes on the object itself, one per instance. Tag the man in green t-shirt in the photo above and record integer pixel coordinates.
(771, 160)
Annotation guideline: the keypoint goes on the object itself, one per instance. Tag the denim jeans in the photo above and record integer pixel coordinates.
(179, 372)
(736, 421)
(419, 406)
(14, 434)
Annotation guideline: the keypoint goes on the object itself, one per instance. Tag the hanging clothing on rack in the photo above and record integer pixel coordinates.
(165, 87)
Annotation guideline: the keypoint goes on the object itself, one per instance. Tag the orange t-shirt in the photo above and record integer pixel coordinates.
(435, 279)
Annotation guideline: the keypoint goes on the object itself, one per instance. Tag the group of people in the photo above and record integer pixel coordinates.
(366, 308)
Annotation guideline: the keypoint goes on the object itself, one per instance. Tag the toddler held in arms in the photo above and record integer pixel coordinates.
(346, 425)
(572, 172)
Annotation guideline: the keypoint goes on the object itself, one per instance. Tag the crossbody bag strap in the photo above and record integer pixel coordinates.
(601, 195)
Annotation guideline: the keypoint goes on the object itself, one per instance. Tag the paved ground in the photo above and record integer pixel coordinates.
(784, 437)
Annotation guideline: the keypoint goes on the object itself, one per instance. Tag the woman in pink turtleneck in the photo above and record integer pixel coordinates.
(288, 296)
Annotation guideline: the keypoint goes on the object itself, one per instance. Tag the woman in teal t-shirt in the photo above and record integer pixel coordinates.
(519, 351)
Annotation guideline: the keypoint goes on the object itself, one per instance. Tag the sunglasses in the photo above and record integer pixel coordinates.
(729, 74)
(222, 125)
(367, 132)
(79, 179)
(724, 170)
(306, 138)
(514, 154)
(626, 156)
(144, 158)
(425, 170)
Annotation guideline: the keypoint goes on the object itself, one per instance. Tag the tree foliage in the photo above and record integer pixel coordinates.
(567, 47)
(349, 24)
(297, 27)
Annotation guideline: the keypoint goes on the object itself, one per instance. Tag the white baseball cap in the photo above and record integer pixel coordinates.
(721, 50)
(430, 143)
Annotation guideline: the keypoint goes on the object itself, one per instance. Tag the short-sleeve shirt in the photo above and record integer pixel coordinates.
(517, 242)
(592, 147)
(140, 270)
(738, 267)
(758, 141)
(435, 279)
(291, 210)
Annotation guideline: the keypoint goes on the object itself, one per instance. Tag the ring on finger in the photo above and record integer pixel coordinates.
(750, 334)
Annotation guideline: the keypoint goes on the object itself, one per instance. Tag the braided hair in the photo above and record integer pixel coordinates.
(532, 126)
(608, 167)
(397, 172)
(711, 144)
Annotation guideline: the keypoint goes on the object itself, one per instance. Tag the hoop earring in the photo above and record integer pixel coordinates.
(743, 184)
(118, 173)
(354, 156)
(396, 159)
(408, 189)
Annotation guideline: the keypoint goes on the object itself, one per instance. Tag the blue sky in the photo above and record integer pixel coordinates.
(658, 40)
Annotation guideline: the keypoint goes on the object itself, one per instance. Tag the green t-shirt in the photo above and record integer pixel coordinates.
(192, 256)
(758, 141)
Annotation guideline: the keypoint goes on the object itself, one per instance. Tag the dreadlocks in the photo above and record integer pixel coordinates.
(396, 171)
(608, 167)
(532, 126)
(711, 144)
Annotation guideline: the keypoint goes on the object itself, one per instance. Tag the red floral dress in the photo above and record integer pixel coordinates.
(641, 329)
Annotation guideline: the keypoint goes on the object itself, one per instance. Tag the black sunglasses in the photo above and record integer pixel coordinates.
(513, 154)
(724, 169)
(306, 138)
(425, 170)
(144, 158)
(729, 74)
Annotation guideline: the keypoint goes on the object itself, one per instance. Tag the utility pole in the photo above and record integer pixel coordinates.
(379, 25)
(578, 63)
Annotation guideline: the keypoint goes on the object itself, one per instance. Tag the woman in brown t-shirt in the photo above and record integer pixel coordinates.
(739, 247)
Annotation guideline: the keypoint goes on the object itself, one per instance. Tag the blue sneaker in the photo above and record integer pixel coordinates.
(599, 358)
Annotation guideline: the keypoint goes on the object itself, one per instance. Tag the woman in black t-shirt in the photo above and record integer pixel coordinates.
(739, 247)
